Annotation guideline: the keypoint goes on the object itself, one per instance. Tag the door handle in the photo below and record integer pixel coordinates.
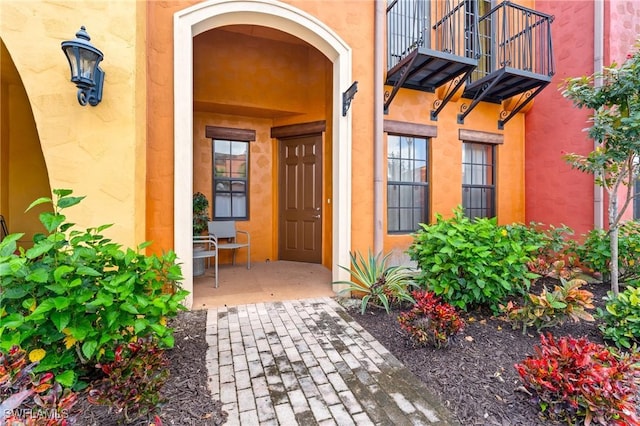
(316, 216)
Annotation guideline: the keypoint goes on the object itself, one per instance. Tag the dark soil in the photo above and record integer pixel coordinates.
(188, 400)
(475, 376)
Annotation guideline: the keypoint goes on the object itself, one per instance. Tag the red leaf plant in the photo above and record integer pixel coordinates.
(431, 321)
(573, 379)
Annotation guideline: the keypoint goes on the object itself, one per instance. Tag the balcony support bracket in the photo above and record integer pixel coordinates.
(439, 104)
(525, 98)
(398, 84)
(466, 109)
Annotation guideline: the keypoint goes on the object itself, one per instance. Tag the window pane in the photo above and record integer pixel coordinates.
(406, 219)
(407, 178)
(238, 186)
(223, 186)
(393, 170)
(420, 171)
(406, 195)
(239, 205)
(478, 186)
(393, 146)
(238, 159)
(223, 205)
(419, 196)
(393, 196)
(231, 159)
(393, 220)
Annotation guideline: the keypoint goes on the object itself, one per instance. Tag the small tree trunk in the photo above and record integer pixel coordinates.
(613, 235)
(615, 288)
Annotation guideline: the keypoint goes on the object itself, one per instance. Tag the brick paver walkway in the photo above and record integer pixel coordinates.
(308, 362)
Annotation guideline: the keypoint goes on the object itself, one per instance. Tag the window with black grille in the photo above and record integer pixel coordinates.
(478, 180)
(407, 183)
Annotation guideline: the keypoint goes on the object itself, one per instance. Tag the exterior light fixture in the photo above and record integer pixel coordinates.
(84, 59)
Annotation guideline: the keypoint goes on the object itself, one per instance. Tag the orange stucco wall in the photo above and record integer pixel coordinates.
(237, 78)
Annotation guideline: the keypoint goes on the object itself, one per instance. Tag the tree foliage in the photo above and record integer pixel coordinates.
(614, 97)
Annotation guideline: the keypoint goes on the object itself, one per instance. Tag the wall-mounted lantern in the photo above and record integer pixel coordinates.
(83, 60)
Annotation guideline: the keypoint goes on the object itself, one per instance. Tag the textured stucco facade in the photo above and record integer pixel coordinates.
(556, 194)
(253, 64)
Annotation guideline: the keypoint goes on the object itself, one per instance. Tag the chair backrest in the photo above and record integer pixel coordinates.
(223, 229)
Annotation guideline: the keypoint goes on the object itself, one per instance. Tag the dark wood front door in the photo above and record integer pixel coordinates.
(300, 207)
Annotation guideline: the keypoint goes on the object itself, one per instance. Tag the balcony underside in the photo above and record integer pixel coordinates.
(503, 84)
(426, 69)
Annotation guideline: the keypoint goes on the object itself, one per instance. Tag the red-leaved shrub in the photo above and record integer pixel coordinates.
(573, 379)
(133, 380)
(30, 399)
(431, 321)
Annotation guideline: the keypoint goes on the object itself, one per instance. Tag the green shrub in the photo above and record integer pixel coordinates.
(572, 379)
(76, 295)
(621, 317)
(553, 243)
(378, 284)
(595, 252)
(548, 309)
(473, 262)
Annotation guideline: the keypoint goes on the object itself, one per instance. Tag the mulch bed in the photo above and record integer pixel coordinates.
(188, 400)
(474, 377)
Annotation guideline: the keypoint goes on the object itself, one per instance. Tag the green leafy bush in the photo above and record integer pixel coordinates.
(621, 318)
(133, 380)
(474, 262)
(572, 379)
(27, 398)
(76, 295)
(595, 252)
(378, 284)
(553, 243)
(548, 309)
(431, 321)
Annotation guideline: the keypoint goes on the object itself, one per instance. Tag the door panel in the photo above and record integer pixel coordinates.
(300, 207)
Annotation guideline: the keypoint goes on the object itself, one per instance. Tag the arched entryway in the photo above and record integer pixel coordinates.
(23, 172)
(207, 16)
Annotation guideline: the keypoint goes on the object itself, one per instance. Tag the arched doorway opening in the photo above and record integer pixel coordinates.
(23, 172)
(273, 15)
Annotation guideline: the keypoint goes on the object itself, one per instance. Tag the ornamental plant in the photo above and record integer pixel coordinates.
(431, 321)
(29, 399)
(132, 381)
(621, 318)
(576, 380)
(75, 295)
(376, 283)
(473, 263)
(613, 96)
(595, 252)
(548, 309)
(200, 213)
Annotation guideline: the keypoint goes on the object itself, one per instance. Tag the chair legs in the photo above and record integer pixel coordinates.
(233, 260)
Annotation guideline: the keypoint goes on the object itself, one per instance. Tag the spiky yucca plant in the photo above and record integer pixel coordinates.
(379, 284)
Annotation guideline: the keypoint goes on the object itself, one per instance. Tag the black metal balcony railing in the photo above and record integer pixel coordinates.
(429, 44)
(516, 58)
(513, 36)
(504, 53)
(409, 27)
